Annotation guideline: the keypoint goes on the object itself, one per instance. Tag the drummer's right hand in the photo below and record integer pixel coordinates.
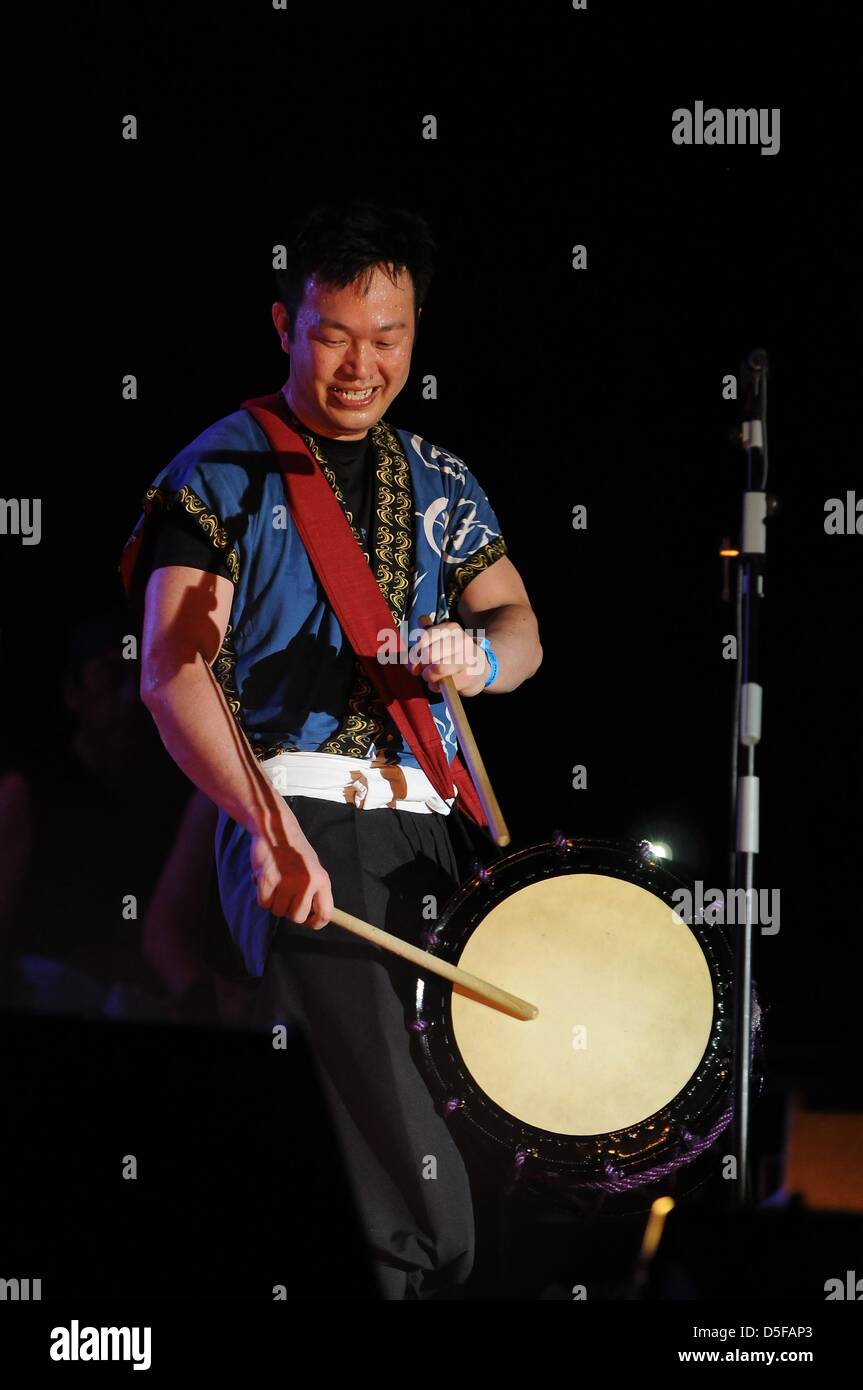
(291, 881)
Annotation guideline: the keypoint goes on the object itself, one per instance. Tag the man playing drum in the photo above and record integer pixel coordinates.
(334, 805)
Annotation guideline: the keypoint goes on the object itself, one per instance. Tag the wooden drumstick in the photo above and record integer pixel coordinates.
(493, 814)
(470, 985)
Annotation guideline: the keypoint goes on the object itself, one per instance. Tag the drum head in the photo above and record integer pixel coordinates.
(625, 1004)
(627, 1066)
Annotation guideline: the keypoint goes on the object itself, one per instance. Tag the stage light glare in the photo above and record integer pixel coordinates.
(659, 850)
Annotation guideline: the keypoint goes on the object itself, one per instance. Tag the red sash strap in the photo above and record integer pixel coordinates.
(357, 601)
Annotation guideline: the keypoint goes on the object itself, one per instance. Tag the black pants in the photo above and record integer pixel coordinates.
(409, 1178)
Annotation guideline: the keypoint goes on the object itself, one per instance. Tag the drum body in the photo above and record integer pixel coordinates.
(625, 1075)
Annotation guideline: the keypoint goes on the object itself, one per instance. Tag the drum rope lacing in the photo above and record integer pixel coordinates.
(686, 1146)
(690, 1147)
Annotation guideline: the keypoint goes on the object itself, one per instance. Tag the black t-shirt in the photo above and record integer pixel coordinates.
(180, 541)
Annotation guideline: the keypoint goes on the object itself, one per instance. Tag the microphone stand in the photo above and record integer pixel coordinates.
(747, 735)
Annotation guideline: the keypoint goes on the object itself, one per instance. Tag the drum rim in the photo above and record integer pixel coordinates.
(585, 1158)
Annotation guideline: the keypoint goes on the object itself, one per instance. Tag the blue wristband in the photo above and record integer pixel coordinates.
(487, 648)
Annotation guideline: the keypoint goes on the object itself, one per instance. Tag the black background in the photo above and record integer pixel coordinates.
(601, 387)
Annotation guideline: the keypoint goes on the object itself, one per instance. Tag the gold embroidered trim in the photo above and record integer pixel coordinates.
(366, 720)
(208, 521)
(223, 670)
(459, 576)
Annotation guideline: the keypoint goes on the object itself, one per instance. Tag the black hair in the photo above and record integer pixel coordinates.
(339, 242)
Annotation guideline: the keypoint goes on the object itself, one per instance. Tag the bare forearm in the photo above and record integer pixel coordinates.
(513, 632)
(203, 738)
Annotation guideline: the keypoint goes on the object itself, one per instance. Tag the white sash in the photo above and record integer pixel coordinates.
(326, 775)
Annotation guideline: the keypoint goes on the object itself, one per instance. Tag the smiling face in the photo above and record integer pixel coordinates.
(350, 352)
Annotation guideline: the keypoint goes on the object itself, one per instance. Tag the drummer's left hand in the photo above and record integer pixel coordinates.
(446, 649)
